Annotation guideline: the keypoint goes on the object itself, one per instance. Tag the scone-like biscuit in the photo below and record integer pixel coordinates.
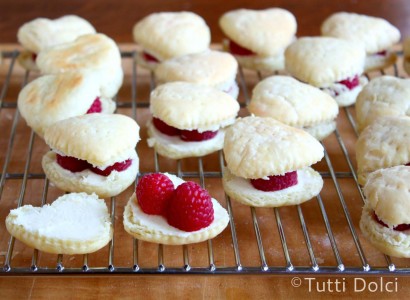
(383, 144)
(55, 97)
(91, 52)
(382, 96)
(166, 35)
(375, 34)
(332, 64)
(406, 55)
(296, 104)
(190, 107)
(155, 229)
(265, 33)
(72, 224)
(256, 148)
(388, 200)
(101, 142)
(210, 68)
(42, 33)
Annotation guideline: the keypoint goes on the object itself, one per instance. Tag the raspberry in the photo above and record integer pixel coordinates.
(195, 136)
(149, 57)
(119, 166)
(382, 53)
(350, 83)
(190, 207)
(239, 50)
(153, 193)
(95, 107)
(34, 56)
(71, 163)
(400, 227)
(276, 183)
(165, 128)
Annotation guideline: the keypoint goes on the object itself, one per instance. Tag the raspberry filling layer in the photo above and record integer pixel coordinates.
(185, 135)
(77, 165)
(351, 82)
(149, 57)
(34, 56)
(236, 49)
(400, 227)
(276, 183)
(119, 167)
(382, 53)
(96, 107)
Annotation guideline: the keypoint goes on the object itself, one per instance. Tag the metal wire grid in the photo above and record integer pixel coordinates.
(238, 268)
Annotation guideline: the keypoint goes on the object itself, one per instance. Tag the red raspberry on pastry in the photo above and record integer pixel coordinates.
(153, 193)
(119, 166)
(165, 128)
(195, 136)
(96, 107)
(239, 50)
(71, 163)
(190, 208)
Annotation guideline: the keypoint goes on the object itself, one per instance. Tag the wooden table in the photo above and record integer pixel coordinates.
(116, 20)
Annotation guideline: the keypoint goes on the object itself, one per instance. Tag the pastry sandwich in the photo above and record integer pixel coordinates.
(268, 163)
(383, 144)
(211, 68)
(55, 97)
(93, 153)
(383, 96)
(167, 210)
(96, 52)
(331, 64)
(74, 223)
(42, 33)
(258, 38)
(375, 34)
(295, 104)
(166, 35)
(189, 119)
(385, 219)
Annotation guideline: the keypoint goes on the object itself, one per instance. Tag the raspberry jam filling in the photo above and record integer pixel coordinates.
(185, 135)
(236, 49)
(351, 82)
(96, 107)
(77, 165)
(72, 164)
(119, 167)
(382, 53)
(34, 56)
(400, 227)
(150, 58)
(276, 183)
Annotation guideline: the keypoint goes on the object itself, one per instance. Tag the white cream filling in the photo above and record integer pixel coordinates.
(160, 224)
(180, 145)
(89, 177)
(75, 219)
(244, 186)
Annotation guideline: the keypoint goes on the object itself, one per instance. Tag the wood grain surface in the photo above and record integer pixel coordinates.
(116, 18)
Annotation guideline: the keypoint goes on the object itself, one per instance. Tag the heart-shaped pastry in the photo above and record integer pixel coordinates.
(75, 223)
(91, 52)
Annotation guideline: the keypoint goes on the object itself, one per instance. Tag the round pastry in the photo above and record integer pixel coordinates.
(268, 163)
(42, 33)
(331, 64)
(295, 104)
(383, 144)
(55, 97)
(375, 34)
(93, 153)
(189, 119)
(95, 52)
(72, 224)
(385, 220)
(406, 55)
(211, 68)
(382, 96)
(258, 38)
(156, 228)
(166, 35)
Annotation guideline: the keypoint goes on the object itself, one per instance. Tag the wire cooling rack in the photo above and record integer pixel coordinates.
(320, 236)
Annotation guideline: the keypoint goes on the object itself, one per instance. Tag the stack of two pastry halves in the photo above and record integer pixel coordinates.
(92, 151)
